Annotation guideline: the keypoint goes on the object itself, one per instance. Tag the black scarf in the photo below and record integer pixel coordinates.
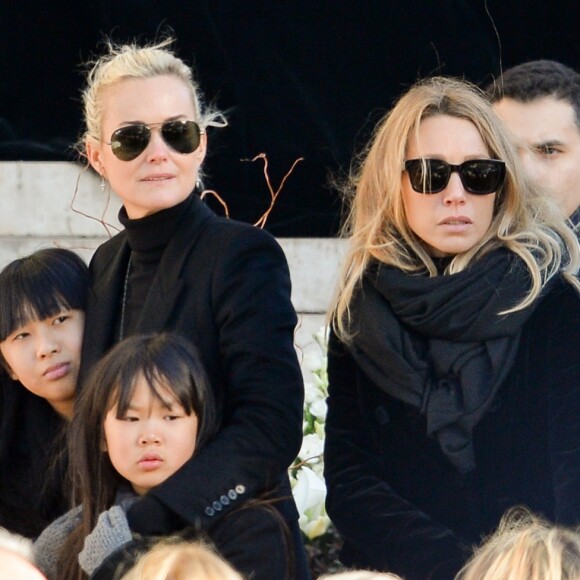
(437, 343)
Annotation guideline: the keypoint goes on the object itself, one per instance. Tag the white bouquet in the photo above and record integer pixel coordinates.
(306, 473)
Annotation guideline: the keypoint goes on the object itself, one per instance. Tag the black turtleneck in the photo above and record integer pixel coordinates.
(147, 237)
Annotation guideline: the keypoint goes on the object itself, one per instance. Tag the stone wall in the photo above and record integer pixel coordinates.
(54, 203)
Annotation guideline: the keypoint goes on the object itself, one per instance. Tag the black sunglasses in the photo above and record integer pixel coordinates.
(478, 176)
(130, 141)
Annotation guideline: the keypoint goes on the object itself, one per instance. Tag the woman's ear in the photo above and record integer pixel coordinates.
(202, 148)
(94, 155)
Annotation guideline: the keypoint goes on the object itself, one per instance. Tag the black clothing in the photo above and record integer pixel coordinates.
(148, 239)
(399, 502)
(32, 469)
(251, 540)
(438, 344)
(226, 287)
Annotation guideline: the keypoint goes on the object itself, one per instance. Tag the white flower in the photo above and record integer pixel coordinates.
(309, 491)
(312, 361)
(321, 337)
(306, 475)
(317, 527)
(319, 409)
(312, 393)
(312, 447)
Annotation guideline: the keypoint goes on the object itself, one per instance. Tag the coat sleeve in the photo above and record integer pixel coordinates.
(560, 329)
(382, 530)
(262, 394)
(246, 535)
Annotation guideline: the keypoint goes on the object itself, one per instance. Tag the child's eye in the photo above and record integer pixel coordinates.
(20, 336)
(129, 418)
(61, 318)
(171, 417)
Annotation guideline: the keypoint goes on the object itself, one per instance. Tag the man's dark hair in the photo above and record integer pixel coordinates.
(537, 79)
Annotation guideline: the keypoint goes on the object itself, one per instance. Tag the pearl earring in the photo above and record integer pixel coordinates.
(103, 184)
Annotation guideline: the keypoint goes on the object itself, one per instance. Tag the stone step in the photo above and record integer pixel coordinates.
(43, 204)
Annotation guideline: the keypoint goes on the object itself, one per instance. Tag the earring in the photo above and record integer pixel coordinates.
(103, 184)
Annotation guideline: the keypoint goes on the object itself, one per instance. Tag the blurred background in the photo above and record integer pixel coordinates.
(306, 78)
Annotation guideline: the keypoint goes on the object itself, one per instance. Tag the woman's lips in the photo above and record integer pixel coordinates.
(456, 224)
(157, 178)
(455, 220)
(57, 371)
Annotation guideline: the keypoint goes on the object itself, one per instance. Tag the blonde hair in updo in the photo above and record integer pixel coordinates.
(130, 61)
(525, 221)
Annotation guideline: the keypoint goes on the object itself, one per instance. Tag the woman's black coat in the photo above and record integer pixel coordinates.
(226, 287)
(399, 503)
(31, 460)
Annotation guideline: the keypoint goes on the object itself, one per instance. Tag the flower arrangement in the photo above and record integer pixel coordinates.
(306, 473)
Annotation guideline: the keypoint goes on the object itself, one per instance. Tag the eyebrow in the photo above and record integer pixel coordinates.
(166, 403)
(548, 142)
(167, 120)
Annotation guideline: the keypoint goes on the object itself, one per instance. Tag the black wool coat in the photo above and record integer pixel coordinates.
(400, 504)
(32, 463)
(225, 286)
(251, 539)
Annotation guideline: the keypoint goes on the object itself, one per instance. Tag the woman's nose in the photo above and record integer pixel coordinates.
(454, 192)
(157, 149)
(47, 345)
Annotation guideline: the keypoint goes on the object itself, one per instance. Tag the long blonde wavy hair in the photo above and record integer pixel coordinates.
(525, 220)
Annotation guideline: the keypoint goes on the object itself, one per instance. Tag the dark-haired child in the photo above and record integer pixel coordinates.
(42, 304)
(144, 412)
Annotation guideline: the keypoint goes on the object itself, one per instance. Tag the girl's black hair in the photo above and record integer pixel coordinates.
(41, 285)
(166, 360)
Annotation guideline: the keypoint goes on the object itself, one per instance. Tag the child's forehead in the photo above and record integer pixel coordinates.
(143, 393)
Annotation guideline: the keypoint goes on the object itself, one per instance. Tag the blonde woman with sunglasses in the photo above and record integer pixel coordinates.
(178, 267)
(453, 358)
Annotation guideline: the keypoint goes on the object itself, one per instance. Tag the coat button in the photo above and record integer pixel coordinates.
(232, 494)
(209, 511)
(224, 500)
(240, 489)
(217, 506)
(381, 416)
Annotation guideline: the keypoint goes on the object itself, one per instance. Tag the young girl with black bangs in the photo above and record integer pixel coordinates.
(145, 411)
(42, 298)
